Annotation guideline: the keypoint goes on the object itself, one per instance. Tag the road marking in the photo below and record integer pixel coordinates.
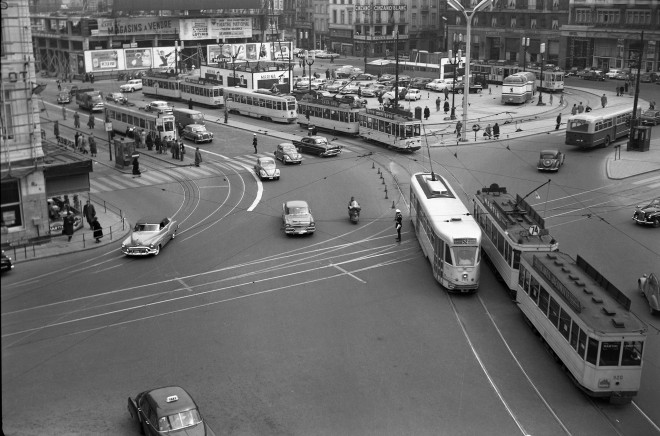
(348, 273)
(649, 179)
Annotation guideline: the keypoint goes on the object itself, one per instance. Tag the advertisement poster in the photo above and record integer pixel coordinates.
(252, 52)
(230, 27)
(195, 29)
(138, 58)
(137, 26)
(280, 51)
(163, 57)
(103, 60)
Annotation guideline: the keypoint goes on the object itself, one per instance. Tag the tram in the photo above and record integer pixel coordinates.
(447, 232)
(599, 127)
(329, 114)
(161, 85)
(511, 227)
(586, 322)
(129, 117)
(496, 72)
(553, 79)
(262, 103)
(201, 91)
(519, 87)
(397, 129)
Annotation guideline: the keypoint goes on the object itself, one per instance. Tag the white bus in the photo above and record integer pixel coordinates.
(130, 117)
(519, 87)
(262, 103)
(449, 236)
(398, 130)
(511, 227)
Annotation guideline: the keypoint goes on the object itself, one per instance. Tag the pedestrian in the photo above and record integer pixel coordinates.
(332, 59)
(574, 110)
(558, 122)
(90, 122)
(398, 223)
(56, 129)
(359, 93)
(89, 213)
(603, 100)
(76, 141)
(437, 104)
(78, 144)
(63, 113)
(98, 230)
(127, 132)
(580, 108)
(254, 142)
(190, 103)
(158, 144)
(143, 137)
(76, 120)
(91, 78)
(446, 108)
(561, 100)
(327, 74)
(138, 139)
(550, 99)
(149, 141)
(198, 157)
(83, 145)
(182, 149)
(626, 87)
(446, 91)
(59, 85)
(174, 148)
(380, 99)
(496, 131)
(459, 126)
(618, 90)
(651, 105)
(92, 146)
(488, 132)
(136, 167)
(67, 226)
(427, 113)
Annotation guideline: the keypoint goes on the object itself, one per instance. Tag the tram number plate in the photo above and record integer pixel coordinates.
(465, 241)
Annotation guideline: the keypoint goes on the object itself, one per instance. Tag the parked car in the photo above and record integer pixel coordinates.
(116, 97)
(297, 218)
(420, 82)
(387, 78)
(335, 85)
(167, 410)
(318, 145)
(6, 263)
(648, 77)
(287, 153)
(372, 90)
(64, 97)
(648, 214)
(366, 77)
(413, 94)
(149, 235)
(612, 73)
(389, 95)
(351, 88)
(649, 286)
(131, 86)
(438, 85)
(596, 75)
(158, 106)
(650, 117)
(326, 55)
(550, 160)
(265, 168)
(353, 100)
(622, 76)
(197, 133)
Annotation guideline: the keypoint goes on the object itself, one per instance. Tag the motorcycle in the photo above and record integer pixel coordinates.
(354, 214)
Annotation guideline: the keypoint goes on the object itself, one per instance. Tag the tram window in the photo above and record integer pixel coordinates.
(534, 290)
(448, 255)
(507, 252)
(291, 105)
(124, 117)
(249, 100)
(370, 123)
(408, 131)
(152, 126)
(575, 332)
(381, 125)
(632, 353)
(500, 243)
(521, 279)
(388, 128)
(418, 130)
(592, 350)
(168, 125)
(269, 104)
(553, 315)
(129, 119)
(582, 343)
(609, 353)
(516, 259)
(143, 123)
(564, 323)
(544, 301)
(465, 256)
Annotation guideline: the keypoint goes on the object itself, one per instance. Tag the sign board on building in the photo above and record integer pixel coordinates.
(138, 26)
(267, 51)
(215, 28)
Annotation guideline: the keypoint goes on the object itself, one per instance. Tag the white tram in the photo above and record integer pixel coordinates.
(397, 129)
(510, 227)
(161, 85)
(553, 79)
(262, 103)
(586, 322)
(201, 91)
(447, 232)
(129, 117)
(329, 114)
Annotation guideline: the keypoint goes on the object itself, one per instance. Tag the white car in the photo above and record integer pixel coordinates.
(611, 74)
(158, 106)
(413, 94)
(131, 86)
(326, 55)
(438, 85)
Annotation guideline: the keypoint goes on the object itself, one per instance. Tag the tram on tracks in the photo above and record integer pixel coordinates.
(448, 234)
(262, 103)
(585, 321)
(329, 114)
(511, 227)
(201, 91)
(396, 128)
(496, 72)
(130, 117)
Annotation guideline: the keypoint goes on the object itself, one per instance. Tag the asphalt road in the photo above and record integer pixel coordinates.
(343, 332)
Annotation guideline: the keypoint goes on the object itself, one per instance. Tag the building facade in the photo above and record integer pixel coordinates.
(381, 27)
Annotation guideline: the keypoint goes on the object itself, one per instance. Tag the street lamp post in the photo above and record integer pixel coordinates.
(525, 44)
(309, 60)
(454, 62)
(446, 33)
(466, 82)
(540, 103)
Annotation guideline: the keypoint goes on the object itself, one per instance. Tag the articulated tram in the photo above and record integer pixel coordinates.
(130, 117)
(447, 232)
(262, 103)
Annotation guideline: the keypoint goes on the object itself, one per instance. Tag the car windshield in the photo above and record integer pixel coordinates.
(465, 256)
(141, 227)
(289, 148)
(320, 141)
(268, 163)
(179, 420)
(298, 211)
(548, 155)
(198, 128)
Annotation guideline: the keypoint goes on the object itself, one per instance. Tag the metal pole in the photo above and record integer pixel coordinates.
(540, 103)
(633, 121)
(466, 77)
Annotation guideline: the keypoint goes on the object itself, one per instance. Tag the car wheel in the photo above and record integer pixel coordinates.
(656, 222)
(157, 250)
(460, 90)
(132, 89)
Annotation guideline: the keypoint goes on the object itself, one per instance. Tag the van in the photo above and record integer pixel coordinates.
(188, 116)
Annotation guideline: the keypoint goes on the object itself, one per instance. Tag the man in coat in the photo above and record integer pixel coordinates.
(67, 228)
(90, 122)
(98, 230)
(76, 120)
(89, 213)
(198, 157)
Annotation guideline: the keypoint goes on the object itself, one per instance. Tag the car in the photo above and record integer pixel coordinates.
(167, 410)
(302, 83)
(353, 100)
(622, 76)
(550, 160)
(131, 86)
(420, 82)
(386, 78)
(116, 97)
(287, 153)
(318, 83)
(596, 75)
(297, 218)
(437, 85)
(413, 94)
(372, 90)
(650, 117)
(6, 263)
(649, 286)
(265, 168)
(612, 73)
(158, 106)
(64, 97)
(648, 78)
(318, 145)
(347, 72)
(366, 77)
(389, 95)
(335, 85)
(351, 88)
(149, 236)
(325, 55)
(648, 214)
(197, 133)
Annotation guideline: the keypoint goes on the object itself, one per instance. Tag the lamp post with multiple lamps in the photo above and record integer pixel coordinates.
(540, 102)
(483, 4)
(454, 60)
(309, 60)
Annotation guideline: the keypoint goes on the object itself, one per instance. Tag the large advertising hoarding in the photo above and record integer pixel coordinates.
(251, 52)
(214, 28)
(104, 60)
(159, 58)
(277, 81)
(137, 26)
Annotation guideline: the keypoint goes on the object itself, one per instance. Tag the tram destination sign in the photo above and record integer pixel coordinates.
(388, 115)
(381, 7)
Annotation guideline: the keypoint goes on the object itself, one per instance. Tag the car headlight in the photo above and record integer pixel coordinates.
(262, 172)
(286, 157)
(123, 245)
(151, 245)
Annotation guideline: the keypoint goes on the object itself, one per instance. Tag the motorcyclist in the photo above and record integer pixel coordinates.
(353, 205)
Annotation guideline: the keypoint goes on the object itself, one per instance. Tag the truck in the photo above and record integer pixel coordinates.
(90, 100)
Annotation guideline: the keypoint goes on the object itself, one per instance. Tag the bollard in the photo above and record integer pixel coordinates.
(385, 192)
(378, 170)
(383, 180)
(393, 207)
(373, 165)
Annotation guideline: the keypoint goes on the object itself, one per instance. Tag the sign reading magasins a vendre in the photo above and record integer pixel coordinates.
(138, 26)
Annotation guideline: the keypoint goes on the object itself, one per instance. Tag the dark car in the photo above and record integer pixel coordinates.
(265, 168)
(386, 78)
(197, 133)
(420, 82)
(649, 214)
(64, 97)
(649, 286)
(6, 263)
(287, 153)
(594, 75)
(650, 117)
(648, 78)
(550, 160)
(318, 145)
(167, 410)
(297, 218)
(116, 97)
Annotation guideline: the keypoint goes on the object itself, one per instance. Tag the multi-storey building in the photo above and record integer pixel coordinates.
(322, 24)
(425, 28)
(379, 27)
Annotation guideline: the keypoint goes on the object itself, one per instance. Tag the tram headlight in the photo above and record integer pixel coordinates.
(465, 276)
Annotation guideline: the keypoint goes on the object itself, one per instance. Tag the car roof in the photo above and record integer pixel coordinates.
(549, 151)
(159, 102)
(266, 159)
(317, 137)
(196, 125)
(153, 219)
(288, 144)
(159, 398)
(296, 203)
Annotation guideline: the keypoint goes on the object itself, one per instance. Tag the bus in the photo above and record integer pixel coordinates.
(519, 87)
(130, 117)
(585, 321)
(329, 114)
(511, 227)
(397, 129)
(599, 127)
(262, 103)
(207, 92)
(449, 236)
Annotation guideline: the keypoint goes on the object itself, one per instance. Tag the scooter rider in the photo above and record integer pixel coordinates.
(353, 206)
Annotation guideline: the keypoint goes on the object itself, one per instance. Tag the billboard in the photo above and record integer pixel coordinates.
(137, 26)
(215, 28)
(160, 58)
(103, 60)
(173, 5)
(251, 52)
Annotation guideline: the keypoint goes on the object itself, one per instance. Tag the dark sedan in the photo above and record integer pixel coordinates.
(650, 117)
(318, 145)
(550, 160)
(197, 133)
(648, 214)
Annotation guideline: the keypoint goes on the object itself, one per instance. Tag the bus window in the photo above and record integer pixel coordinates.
(632, 353)
(578, 125)
(609, 353)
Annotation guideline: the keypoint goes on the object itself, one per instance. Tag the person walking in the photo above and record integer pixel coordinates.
(618, 90)
(63, 113)
(175, 148)
(398, 224)
(603, 100)
(558, 122)
(98, 230)
(561, 100)
(446, 108)
(158, 144)
(91, 78)
(488, 132)
(149, 141)
(427, 113)
(92, 146)
(254, 142)
(56, 129)
(437, 104)
(67, 227)
(143, 137)
(446, 91)
(580, 108)
(138, 139)
(59, 85)
(136, 168)
(550, 99)
(89, 213)
(459, 126)
(76, 120)
(496, 131)
(83, 145)
(190, 103)
(574, 110)
(78, 144)
(182, 149)
(359, 93)
(90, 122)
(198, 157)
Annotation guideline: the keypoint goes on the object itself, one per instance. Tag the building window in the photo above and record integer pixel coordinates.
(7, 117)
(638, 17)
(493, 22)
(555, 24)
(414, 19)
(608, 16)
(343, 17)
(11, 203)
(532, 23)
(350, 17)
(531, 4)
(583, 16)
(513, 22)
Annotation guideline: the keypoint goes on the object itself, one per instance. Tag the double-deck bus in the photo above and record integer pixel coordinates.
(329, 114)
(130, 117)
(449, 236)
(202, 91)
(262, 103)
(510, 227)
(397, 129)
(599, 127)
(519, 88)
(586, 322)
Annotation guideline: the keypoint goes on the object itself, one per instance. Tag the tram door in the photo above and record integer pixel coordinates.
(438, 249)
